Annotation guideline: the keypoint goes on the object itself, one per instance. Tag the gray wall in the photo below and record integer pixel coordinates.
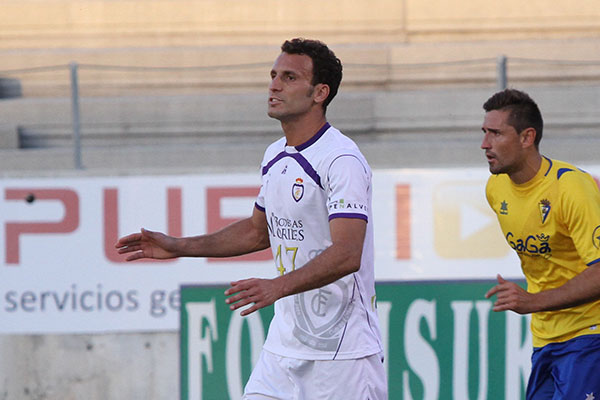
(165, 134)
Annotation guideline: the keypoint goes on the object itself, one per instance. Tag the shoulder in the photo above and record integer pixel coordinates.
(497, 182)
(558, 169)
(576, 188)
(338, 147)
(333, 135)
(496, 188)
(273, 149)
(570, 177)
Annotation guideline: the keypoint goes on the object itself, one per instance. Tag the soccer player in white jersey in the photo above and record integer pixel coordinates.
(314, 211)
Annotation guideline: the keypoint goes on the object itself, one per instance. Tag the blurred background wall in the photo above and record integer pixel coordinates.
(191, 76)
(178, 86)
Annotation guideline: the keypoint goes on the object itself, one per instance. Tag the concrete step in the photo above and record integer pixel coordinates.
(189, 119)
(243, 69)
(394, 129)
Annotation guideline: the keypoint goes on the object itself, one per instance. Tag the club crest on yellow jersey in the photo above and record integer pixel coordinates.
(544, 209)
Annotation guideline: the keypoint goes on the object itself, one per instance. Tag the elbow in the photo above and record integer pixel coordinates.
(263, 242)
(354, 268)
(354, 261)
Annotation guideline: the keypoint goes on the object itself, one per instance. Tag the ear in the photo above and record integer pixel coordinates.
(320, 93)
(528, 137)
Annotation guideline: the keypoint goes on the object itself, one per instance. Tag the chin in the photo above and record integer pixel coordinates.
(498, 170)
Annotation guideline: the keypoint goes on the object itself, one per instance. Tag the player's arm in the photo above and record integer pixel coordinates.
(338, 260)
(241, 237)
(581, 289)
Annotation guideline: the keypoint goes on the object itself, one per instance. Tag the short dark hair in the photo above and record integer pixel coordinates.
(327, 68)
(523, 111)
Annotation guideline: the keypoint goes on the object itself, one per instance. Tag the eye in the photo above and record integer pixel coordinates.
(491, 131)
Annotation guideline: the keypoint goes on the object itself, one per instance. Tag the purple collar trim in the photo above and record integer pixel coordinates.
(314, 138)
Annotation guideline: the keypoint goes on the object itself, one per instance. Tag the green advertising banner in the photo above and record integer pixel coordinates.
(442, 341)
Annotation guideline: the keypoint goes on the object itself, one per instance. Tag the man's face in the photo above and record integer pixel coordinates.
(291, 91)
(501, 142)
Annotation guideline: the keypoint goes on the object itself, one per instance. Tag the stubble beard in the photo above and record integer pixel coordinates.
(286, 117)
(502, 169)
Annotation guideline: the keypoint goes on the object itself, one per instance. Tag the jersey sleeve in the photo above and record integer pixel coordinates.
(349, 186)
(259, 203)
(488, 193)
(260, 200)
(581, 213)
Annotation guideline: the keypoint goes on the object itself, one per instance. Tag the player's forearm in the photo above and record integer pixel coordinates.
(581, 289)
(334, 263)
(241, 237)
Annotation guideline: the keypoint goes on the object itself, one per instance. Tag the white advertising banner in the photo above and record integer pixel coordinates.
(60, 272)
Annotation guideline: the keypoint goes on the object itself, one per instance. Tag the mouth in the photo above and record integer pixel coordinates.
(490, 157)
(274, 101)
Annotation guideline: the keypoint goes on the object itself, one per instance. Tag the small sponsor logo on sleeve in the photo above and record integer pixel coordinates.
(596, 237)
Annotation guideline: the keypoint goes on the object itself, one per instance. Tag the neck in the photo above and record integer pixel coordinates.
(528, 170)
(298, 131)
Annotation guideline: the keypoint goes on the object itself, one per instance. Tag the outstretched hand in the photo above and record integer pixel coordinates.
(510, 296)
(147, 244)
(261, 292)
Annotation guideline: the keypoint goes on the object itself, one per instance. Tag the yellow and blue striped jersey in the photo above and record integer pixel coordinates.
(553, 223)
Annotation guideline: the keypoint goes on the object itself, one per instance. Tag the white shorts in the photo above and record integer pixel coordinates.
(283, 378)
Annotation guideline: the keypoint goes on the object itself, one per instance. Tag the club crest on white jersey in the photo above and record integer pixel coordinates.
(298, 189)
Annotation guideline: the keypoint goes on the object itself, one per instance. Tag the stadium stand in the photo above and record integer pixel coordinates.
(204, 68)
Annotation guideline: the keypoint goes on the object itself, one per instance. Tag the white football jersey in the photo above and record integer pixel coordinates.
(303, 188)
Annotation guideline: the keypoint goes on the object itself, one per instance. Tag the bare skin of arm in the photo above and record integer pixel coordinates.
(581, 289)
(242, 237)
(248, 235)
(340, 259)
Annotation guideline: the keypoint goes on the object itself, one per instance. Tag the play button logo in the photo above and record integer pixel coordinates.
(464, 224)
(473, 220)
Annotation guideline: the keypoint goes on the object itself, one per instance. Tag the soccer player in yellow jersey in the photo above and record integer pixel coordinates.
(549, 212)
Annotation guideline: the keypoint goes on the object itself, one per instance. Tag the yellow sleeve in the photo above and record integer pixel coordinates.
(580, 209)
(488, 192)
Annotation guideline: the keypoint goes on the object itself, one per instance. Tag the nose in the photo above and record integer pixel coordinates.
(275, 84)
(485, 143)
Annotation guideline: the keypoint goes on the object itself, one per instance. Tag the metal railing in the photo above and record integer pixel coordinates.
(378, 75)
